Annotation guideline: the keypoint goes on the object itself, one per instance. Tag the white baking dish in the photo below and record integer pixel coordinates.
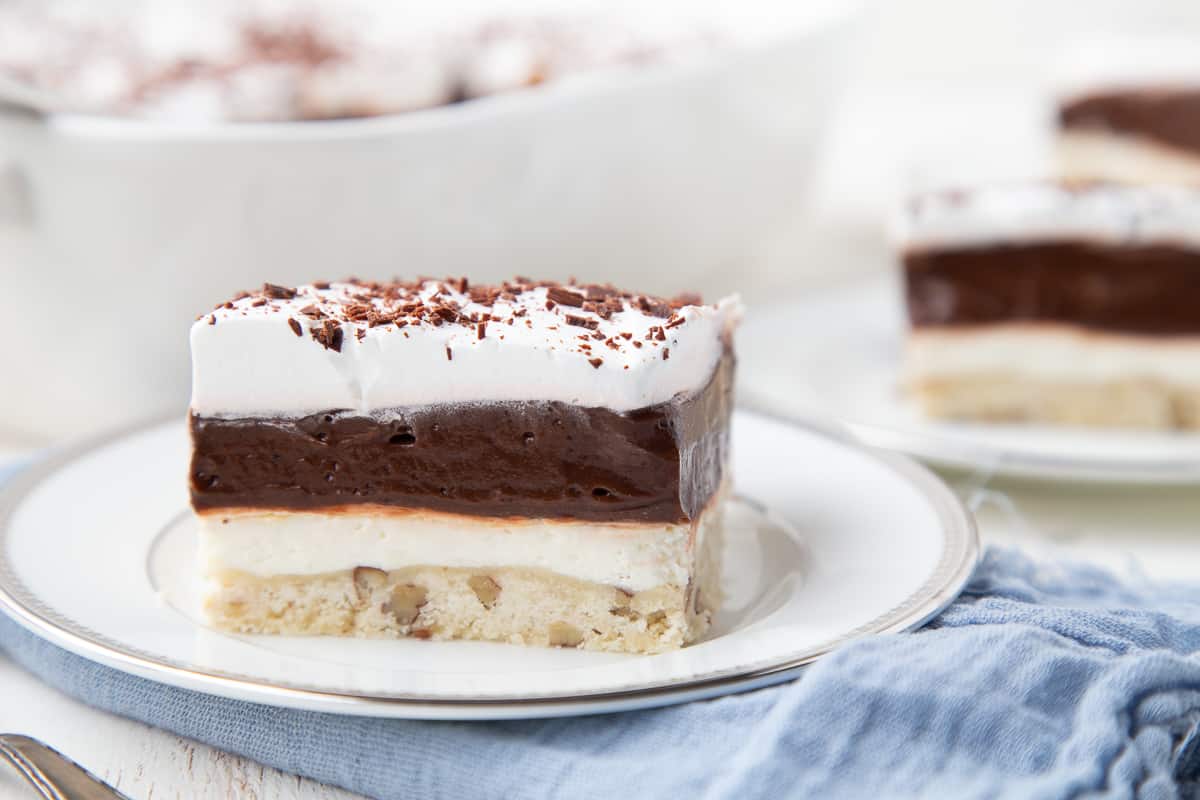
(115, 234)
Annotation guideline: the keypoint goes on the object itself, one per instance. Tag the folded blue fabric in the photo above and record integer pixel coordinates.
(1040, 681)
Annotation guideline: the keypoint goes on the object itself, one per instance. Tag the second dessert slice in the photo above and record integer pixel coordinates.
(1060, 303)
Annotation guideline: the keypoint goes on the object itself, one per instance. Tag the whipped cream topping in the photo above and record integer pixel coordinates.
(1048, 211)
(371, 347)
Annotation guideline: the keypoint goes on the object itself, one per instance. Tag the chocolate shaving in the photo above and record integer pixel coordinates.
(295, 326)
(357, 312)
(480, 330)
(653, 306)
(686, 299)
(328, 334)
(565, 296)
(596, 362)
(278, 292)
(425, 301)
(666, 353)
(449, 353)
(374, 318)
(599, 292)
(582, 322)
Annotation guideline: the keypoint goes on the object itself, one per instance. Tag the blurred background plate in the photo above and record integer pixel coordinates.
(835, 355)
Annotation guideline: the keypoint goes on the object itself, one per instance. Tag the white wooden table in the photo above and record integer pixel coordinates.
(143, 762)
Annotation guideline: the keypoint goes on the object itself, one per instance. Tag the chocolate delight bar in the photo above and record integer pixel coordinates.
(1057, 303)
(533, 462)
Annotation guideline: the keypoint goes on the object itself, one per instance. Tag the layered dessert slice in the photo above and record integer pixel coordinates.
(1060, 303)
(533, 463)
(1129, 110)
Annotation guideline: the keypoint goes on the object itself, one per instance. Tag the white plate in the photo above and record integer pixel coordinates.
(843, 349)
(855, 542)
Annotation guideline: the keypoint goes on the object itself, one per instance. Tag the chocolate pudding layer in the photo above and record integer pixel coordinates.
(1143, 289)
(1170, 116)
(658, 464)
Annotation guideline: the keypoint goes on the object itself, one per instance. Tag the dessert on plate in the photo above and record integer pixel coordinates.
(1054, 302)
(1129, 110)
(534, 462)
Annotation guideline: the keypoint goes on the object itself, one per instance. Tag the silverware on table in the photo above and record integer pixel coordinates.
(52, 774)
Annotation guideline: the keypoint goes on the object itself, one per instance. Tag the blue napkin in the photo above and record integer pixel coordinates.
(1041, 681)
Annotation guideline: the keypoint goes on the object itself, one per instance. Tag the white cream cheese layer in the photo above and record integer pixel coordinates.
(252, 361)
(1111, 156)
(633, 557)
(1052, 352)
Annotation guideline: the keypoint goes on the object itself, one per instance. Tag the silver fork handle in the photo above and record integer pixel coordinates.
(52, 774)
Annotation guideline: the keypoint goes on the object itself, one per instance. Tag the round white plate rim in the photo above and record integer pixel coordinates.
(960, 554)
(960, 452)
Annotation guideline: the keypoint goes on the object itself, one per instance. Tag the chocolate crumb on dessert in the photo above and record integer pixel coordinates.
(275, 292)
(666, 353)
(596, 362)
(582, 322)
(564, 296)
(363, 305)
(328, 334)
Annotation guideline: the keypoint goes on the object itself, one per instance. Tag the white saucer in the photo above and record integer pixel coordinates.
(853, 543)
(843, 350)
